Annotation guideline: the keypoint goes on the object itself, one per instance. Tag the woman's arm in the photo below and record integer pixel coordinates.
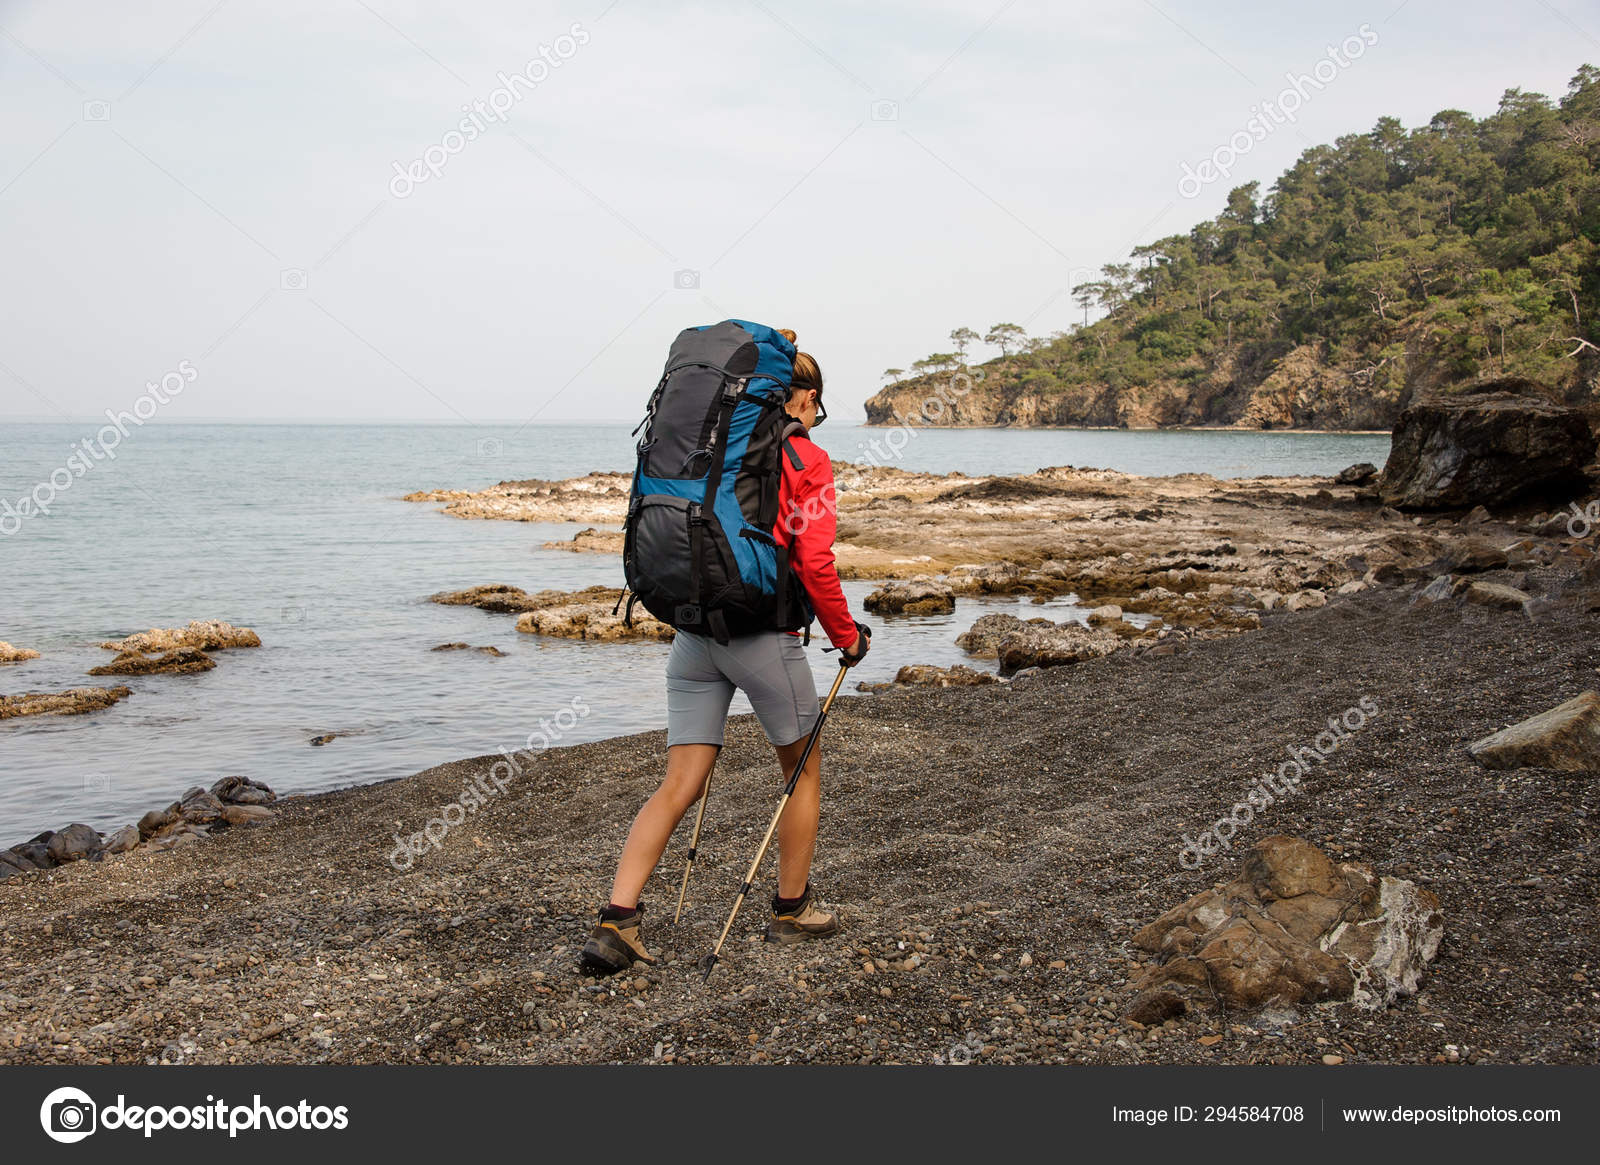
(807, 524)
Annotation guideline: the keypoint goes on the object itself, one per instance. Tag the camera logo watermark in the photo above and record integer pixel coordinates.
(68, 1115)
(1279, 785)
(1269, 115)
(1583, 521)
(484, 787)
(961, 1053)
(501, 100)
(90, 451)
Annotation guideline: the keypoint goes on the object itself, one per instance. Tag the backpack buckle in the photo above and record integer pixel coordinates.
(734, 389)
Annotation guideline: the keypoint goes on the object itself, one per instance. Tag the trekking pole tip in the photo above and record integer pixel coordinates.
(707, 965)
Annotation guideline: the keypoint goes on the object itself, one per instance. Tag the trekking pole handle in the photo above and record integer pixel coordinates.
(862, 631)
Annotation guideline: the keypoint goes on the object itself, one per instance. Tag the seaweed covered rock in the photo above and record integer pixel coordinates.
(180, 661)
(72, 702)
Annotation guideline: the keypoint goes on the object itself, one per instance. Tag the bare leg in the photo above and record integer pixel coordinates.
(797, 830)
(688, 766)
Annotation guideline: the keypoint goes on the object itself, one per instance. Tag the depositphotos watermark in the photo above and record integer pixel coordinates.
(90, 451)
(68, 1115)
(500, 101)
(484, 787)
(1278, 785)
(1583, 522)
(1269, 115)
(930, 411)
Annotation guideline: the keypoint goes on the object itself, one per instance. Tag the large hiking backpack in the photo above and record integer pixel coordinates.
(698, 549)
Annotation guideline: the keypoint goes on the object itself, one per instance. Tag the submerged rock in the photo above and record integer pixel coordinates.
(1565, 738)
(1485, 447)
(591, 541)
(72, 702)
(495, 651)
(204, 635)
(181, 661)
(1292, 928)
(503, 599)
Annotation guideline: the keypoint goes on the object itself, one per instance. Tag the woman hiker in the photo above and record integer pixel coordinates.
(770, 668)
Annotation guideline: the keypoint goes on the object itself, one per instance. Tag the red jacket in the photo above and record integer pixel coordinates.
(807, 521)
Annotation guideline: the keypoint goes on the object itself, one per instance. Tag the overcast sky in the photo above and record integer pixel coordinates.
(216, 182)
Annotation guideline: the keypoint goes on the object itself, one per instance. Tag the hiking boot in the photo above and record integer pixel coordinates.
(614, 944)
(794, 924)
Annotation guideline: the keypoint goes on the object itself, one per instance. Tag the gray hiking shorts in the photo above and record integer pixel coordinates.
(769, 668)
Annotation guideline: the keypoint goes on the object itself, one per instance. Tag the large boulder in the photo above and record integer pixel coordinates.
(1292, 928)
(156, 820)
(74, 843)
(1055, 645)
(1565, 738)
(242, 791)
(916, 596)
(121, 841)
(982, 639)
(1485, 447)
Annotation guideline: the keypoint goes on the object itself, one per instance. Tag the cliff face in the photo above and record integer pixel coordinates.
(1298, 389)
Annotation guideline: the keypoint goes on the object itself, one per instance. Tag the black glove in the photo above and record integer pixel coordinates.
(864, 641)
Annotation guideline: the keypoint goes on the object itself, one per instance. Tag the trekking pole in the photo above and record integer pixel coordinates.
(694, 844)
(708, 964)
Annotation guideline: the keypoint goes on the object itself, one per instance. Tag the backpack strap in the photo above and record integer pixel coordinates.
(790, 430)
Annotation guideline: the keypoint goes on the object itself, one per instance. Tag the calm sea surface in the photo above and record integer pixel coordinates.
(297, 532)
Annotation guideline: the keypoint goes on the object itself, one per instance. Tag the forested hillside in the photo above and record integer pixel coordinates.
(1392, 263)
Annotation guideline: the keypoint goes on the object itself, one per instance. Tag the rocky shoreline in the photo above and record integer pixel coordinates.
(996, 850)
(1091, 857)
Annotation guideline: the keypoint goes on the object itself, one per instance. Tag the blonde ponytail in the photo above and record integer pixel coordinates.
(807, 372)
